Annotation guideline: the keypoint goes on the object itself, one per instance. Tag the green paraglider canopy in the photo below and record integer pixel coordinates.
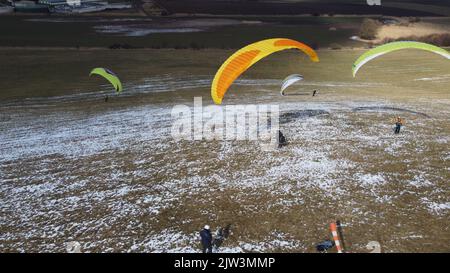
(110, 76)
(386, 48)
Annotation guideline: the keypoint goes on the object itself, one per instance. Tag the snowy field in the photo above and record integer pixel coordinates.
(109, 176)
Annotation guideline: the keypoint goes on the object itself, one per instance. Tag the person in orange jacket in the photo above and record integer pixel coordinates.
(398, 125)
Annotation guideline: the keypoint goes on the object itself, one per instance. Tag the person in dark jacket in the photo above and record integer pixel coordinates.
(206, 239)
(281, 139)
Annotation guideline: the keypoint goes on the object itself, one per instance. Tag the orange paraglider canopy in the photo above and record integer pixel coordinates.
(247, 56)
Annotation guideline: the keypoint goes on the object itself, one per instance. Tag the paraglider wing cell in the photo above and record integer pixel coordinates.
(244, 58)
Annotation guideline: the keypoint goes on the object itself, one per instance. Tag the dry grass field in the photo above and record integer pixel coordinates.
(109, 175)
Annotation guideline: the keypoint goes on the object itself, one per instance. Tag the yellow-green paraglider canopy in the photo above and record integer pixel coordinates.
(389, 47)
(110, 76)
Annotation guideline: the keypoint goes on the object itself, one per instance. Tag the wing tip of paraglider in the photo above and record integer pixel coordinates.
(314, 57)
(93, 71)
(355, 69)
(217, 101)
(119, 88)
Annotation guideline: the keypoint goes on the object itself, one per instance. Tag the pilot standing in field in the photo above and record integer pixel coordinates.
(398, 125)
(206, 239)
(281, 139)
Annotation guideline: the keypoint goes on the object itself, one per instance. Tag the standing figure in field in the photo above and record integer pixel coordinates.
(398, 124)
(281, 139)
(314, 93)
(206, 239)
